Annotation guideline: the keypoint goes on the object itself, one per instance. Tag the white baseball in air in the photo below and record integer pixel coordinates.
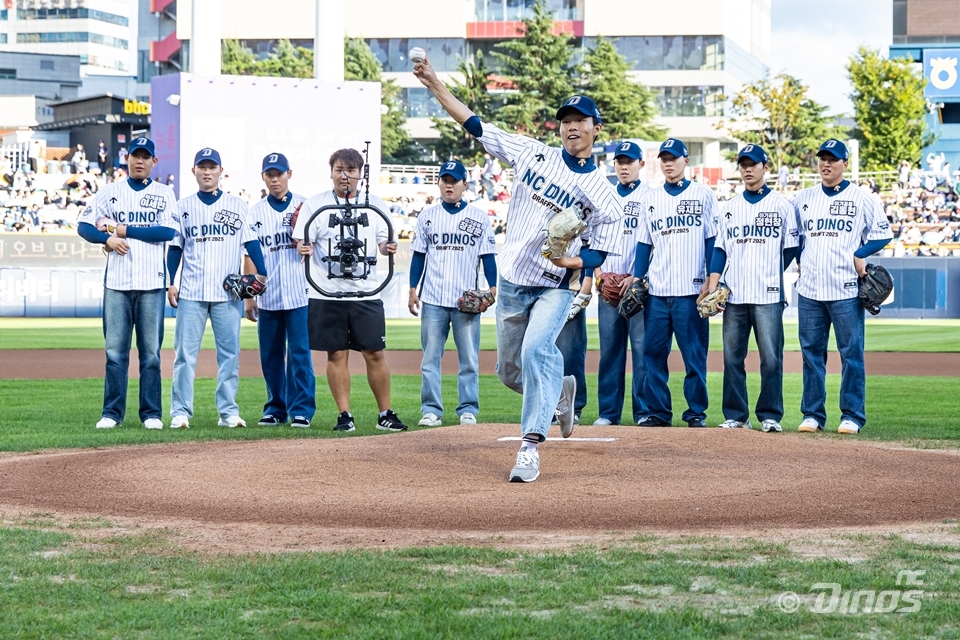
(417, 55)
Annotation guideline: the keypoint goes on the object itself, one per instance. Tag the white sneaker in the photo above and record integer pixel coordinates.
(809, 425)
(430, 420)
(179, 422)
(602, 422)
(771, 426)
(527, 468)
(468, 418)
(232, 422)
(736, 424)
(153, 423)
(106, 423)
(848, 426)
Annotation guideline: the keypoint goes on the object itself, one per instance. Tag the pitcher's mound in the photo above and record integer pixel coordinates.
(455, 479)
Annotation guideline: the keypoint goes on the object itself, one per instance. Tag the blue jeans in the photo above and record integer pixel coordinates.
(122, 312)
(766, 320)
(191, 323)
(529, 319)
(665, 316)
(435, 323)
(287, 363)
(572, 343)
(815, 318)
(614, 332)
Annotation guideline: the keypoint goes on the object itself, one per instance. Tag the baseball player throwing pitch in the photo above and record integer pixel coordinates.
(539, 277)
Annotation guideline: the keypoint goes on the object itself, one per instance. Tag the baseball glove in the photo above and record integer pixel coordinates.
(712, 303)
(580, 302)
(635, 299)
(474, 301)
(561, 230)
(875, 287)
(610, 285)
(243, 287)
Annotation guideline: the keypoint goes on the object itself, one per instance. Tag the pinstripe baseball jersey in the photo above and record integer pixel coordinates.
(212, 238)
(754, 235)
(453, 243)
(677, 226)
(833, 227)
(324, 239)
(286, 282)
(546, 181)
(632, 205)
(143, 268)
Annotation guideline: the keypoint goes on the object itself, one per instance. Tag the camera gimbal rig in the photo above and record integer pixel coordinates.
(352, 252)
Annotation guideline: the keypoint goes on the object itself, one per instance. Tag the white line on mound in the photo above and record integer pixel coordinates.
(508, 438)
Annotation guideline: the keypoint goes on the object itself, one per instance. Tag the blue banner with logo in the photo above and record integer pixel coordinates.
(940, 71)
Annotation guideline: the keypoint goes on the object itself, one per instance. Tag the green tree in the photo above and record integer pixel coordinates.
(889, 109)
(626, 106)
(454, 140)
(236, 60)
(286, 61)
(778, 114)
(540, 65)
(359, 63)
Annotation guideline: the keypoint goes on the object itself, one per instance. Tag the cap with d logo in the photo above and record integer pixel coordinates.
(630, 150)
(207, 155)
(142, 143)
(453, 168)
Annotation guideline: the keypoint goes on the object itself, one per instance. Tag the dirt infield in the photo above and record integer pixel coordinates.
(449, 485)
(38, 364)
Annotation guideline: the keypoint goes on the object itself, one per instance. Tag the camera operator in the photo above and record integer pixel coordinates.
(341, 253)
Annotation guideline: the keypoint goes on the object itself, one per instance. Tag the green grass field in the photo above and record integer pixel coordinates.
(94, 578)
(404, 334)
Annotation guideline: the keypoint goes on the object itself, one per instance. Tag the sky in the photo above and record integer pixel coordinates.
(813, 40)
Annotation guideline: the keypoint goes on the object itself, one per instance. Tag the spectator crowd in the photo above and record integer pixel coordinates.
(923, 207)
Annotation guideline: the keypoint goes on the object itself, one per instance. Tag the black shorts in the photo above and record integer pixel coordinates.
(336, 325)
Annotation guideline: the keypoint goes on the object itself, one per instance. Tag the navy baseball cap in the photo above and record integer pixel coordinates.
(142, 143)
(674, 147)
(580, 104)
(276, 161)
(453, 168)
(835, 148)
(630, 150)
(755, 152)
(207, 154)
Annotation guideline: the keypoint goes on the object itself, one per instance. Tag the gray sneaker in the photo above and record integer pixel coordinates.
(527, 468)
(565, 410)
(736, 424)
(771, 426)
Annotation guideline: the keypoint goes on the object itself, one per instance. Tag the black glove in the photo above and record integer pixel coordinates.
(875, 287)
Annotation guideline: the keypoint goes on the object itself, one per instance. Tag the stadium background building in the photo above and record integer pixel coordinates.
(928, 32)
(100, 32)
(690, 57)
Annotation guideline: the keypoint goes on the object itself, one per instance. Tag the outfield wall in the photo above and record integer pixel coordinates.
(62, 276)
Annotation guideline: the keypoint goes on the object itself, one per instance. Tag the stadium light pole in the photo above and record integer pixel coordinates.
(328, 41)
